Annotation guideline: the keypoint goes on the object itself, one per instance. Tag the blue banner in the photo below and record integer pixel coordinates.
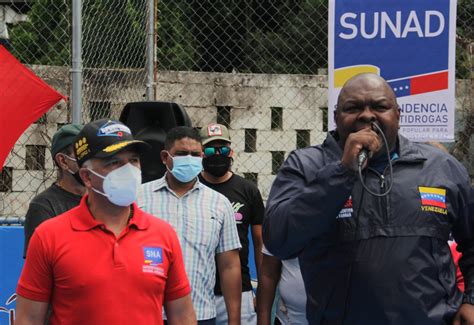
(396, 36)
(410, 43)
(11, 257)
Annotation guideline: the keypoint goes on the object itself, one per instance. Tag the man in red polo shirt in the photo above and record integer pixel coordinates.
(105, 261)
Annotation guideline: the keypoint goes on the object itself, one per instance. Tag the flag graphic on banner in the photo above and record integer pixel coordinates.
(420, 84)
(409, 86)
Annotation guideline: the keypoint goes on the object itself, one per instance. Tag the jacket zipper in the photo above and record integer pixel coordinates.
(385, 199)
(384, 205)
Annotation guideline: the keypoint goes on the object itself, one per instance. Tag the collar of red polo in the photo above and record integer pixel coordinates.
(82, 219)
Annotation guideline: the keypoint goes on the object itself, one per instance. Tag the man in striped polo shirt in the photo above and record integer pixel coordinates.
(204, 221)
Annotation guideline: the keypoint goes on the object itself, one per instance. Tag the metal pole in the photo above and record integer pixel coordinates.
(76, 71)
(150, 44)
(155, 38)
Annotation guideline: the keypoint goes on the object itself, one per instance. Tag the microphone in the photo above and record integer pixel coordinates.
(364, 153)
(362, 156)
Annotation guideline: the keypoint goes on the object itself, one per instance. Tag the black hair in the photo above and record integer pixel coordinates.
(181, 132)
(68, 150)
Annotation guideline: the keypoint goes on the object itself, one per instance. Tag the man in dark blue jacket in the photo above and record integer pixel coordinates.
(378, 257)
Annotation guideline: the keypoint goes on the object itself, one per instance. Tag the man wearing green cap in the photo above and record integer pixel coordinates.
(66, 192)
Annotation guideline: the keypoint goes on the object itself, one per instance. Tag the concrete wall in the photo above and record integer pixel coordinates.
(250, 98)
(244, 101)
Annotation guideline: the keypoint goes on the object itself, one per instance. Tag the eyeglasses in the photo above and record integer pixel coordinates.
(211, 151)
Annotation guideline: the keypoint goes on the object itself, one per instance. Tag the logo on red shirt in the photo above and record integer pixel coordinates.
(153, 257)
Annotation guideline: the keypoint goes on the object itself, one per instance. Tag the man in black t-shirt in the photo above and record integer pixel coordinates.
(248, 211)
(66, 192)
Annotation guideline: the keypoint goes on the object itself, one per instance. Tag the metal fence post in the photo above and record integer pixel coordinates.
(76, 70)
(150, 58)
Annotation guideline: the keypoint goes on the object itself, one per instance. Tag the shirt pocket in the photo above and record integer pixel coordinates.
(204, 231)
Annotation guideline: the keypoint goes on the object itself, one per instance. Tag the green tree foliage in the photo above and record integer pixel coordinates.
(259, 36)
(175, 46)
(220, 29)
(466, 18)
(114, 34)
(465, 39)
(265, 36)
(293, 42)
(46, 37)
(462, 148)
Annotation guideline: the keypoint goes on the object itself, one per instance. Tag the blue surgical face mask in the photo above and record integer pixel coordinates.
(185, 168)
(121, 184)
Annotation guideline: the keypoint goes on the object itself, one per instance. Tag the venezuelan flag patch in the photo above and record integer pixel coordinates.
(433, 199)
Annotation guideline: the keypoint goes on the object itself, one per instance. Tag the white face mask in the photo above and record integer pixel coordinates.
(71, 159)
(121, 184)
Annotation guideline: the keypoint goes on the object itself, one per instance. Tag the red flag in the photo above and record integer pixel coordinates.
(23, 99)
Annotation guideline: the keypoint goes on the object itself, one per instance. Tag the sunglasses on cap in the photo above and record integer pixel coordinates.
(211, 151)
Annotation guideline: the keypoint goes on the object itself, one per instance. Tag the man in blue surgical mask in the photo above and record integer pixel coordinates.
(204, 221)
(105, 261)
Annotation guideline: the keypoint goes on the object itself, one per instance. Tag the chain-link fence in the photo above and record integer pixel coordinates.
(39, 34)
(285, 41)
(463, 148)
(259, 67)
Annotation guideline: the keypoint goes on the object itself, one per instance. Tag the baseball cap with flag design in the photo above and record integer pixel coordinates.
(105, 138)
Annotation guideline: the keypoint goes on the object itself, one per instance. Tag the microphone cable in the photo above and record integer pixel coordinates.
(362, 179)
(354, 248)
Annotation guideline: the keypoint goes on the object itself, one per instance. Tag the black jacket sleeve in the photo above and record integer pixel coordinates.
(463, 233)
(304, 201)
